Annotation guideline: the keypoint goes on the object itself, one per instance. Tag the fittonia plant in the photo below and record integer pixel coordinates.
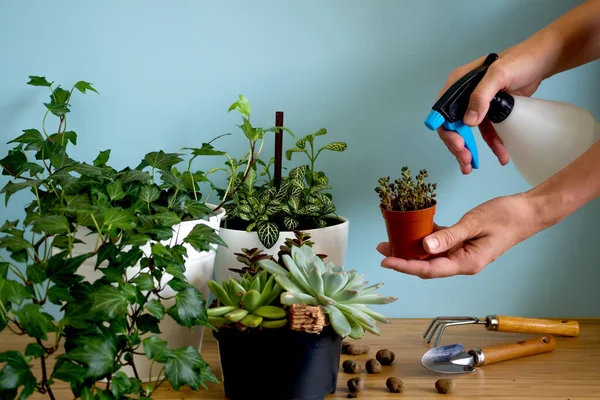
(344, 295)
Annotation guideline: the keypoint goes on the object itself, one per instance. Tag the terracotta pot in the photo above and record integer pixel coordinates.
(406, 231)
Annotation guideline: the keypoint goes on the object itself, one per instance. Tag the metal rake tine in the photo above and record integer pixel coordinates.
(433, 321)
(453, 323)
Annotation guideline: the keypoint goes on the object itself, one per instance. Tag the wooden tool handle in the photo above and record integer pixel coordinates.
(504, 352)
(536, 325)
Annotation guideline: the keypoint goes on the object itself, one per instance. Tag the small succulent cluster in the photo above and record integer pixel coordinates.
(247, 303)
(343, 295)
(406, 194)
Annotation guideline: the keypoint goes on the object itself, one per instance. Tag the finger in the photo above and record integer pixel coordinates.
(494, 80)
(384, 249)
(493, 141)
(444, 239)
(435, 268)
(452, 140)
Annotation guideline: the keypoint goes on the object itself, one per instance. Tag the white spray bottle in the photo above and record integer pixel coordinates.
(541, 136)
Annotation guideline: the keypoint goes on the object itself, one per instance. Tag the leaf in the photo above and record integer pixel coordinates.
(160, 160)
(14, 292)
(60, 138)
(68, 371)
(57, 295)
(109, 301)
(119, 218)
(289, 152)
(3, 269)
(34, 350)
(13, 163)
(102, 158)
(268, 234)
(148, 323)
(338, 320)
(133, 175)
(206, 150)
(82, 86)
(32, 138)
(202, 236)
(38, 81)
(12, 188)
(189, 309)
(122, 384)
(144, 281)
(96, 353)
(115, 191)
(61, 271)
(58, 109)
(335, 146)
(36, 273)
(149, 194)
(16, 373)
(51, 224)
(196, 209)
(35, 322)
(185, 367)
(168, 218)
(242, 105)
(156, 349)
(156, 308)
(290, 223)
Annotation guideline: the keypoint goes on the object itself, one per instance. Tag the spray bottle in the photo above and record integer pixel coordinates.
(541, 136)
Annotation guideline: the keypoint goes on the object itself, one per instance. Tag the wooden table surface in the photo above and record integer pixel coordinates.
(571, 371)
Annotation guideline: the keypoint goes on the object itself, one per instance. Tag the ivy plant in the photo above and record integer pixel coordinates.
(129, 213)
(254, 202)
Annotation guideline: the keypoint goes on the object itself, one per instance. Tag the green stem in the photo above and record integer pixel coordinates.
(44, 124)
(97, 227)
(18, 273)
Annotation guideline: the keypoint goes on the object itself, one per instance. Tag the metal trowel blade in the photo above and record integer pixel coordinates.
(450, 359)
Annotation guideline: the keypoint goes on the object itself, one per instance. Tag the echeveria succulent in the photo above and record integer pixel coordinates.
(344, 295)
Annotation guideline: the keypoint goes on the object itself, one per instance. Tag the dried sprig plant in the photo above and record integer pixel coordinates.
(406, 193)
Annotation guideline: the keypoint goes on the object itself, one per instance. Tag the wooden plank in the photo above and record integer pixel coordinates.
(571, 371)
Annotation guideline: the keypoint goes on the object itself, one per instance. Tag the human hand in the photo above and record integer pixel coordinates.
(519, 70)
(479, 237)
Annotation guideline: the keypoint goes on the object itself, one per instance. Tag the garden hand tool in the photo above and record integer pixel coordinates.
(453, 359)
(505, 324)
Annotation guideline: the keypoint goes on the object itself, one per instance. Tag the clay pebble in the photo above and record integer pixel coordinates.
(445, 386)
(351, 367)
(373, 366)
(355, 385)
(385, 356)
(394, 384)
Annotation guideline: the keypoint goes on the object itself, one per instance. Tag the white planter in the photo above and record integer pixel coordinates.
(199, 269)
(331, 240)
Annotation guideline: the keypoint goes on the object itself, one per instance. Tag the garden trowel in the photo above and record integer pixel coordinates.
(453, 359)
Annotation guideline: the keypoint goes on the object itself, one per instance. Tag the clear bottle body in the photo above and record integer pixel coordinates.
(544, 136)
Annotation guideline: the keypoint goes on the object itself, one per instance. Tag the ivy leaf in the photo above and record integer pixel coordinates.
(61, 270)
(168, 218)
(160, 160)
(144, 281)
(102, 158)
(137, 239)
(149, 194)
(16, 373)
(148, 323)
(185, 367)
(38, 81)
(11, 188)
(206, 150)
(32, 138)
(35, 322)
(202, 236)
(122, 384)
(96, 353)
(13, 163)
(171, 180)
(133, 175)
(51, 224)
(57, 295)
(4, 269)
(9, 225)
(115, 191)
(60, 138)
(189, 308)
(14, 292)
(82, 86)
(68, 371)
(335, 146)
(196, 209)
(242, 105)
(109, 301)
(36, 273)
(34, 350)
(156, 349)
(156, 308)
(119, 218)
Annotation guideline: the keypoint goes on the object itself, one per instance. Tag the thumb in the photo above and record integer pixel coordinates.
(479, 103)
(445, 239)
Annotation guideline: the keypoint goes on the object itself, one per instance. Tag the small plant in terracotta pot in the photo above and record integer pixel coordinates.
(408, 207)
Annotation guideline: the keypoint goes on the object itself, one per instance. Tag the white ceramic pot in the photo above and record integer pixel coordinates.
(198, 270)
(331, 240)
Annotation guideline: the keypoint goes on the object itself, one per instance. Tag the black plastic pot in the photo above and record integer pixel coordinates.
(279, 363)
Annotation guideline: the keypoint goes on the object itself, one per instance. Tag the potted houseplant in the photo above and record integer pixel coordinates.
(284, 319)
(408, 207)
(264, 207)
(104, 323)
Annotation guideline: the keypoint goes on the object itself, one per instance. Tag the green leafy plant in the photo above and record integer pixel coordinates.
(127, 214)
(406, 193)
(256, 201)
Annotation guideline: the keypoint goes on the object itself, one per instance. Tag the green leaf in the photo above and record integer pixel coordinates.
(289, 152)
(196, 209)
(61, 270)
(168, 218)
(189, 309)
(34, 350)
(102, 158)
(13, 163)
(149, 194)
(96, 353)
(202, 236)
(119, 218)
(4, 269)
(14, 292)
(144, 281)
(16, 373)
(51, 224)
(268, 234)
(148, 323)
(61, 138)
(38, 81)
(122, 385)
(82, 86)
(156, 308)
(137, 239)
(242, 105)
(133, 175)
(35, 322)
(335, 146)
(57, 295)
(206, 150)
(32, 138)
(339, 322)
(36, 273)
(129, 291)
(185, 367)
(115, 191)
(290, 223)
(58, 109)
(160, 160)
(156, 349)
(109, 301)
(12, 188)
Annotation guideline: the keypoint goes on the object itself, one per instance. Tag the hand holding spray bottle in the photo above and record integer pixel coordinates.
(541, 136)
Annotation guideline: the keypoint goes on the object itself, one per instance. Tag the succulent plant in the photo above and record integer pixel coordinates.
(343, 295)
(247, 302)
(406, 194)
(250, 258)
(299, 239)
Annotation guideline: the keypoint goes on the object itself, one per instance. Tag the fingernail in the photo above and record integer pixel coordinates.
(471, 117)
(432, 243)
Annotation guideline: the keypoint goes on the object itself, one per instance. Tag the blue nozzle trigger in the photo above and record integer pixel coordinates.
(435, 120)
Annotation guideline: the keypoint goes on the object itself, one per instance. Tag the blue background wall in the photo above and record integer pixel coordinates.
(368, 71)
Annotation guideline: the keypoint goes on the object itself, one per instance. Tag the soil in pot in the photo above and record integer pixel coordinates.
(406, 231)
(279, 363)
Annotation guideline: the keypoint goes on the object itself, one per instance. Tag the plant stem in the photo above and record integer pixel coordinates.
(278, 148)
(45, 373)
